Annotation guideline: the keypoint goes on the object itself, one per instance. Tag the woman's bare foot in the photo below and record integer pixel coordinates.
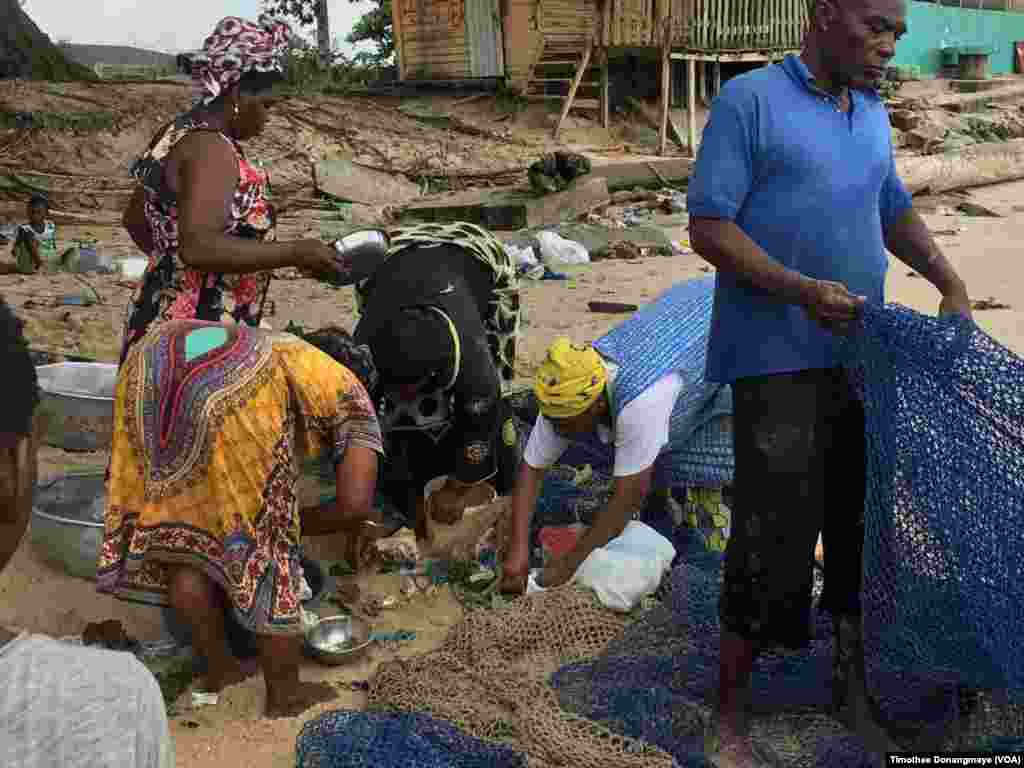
(231, 672)
(294, 702)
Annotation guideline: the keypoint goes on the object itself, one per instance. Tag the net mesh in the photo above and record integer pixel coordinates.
(562, 681)
(945, 512)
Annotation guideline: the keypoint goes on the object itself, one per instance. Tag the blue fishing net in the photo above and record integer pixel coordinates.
(394, 740)
(944, 540)
(943, 594)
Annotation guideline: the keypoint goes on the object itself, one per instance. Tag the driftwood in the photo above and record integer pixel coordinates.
(973, 166)
(959, 101)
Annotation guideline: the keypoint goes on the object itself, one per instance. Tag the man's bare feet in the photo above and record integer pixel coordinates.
(736, 754)
(294, 702)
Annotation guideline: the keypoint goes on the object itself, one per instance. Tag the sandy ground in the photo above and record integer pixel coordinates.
(36, 596)
(984, 250)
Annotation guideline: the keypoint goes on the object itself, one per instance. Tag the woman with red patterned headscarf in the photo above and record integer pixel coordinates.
(201, 210)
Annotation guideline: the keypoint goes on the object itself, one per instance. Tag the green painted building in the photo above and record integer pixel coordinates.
(935, 28)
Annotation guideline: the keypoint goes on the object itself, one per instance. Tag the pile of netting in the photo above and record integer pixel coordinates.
(559, 679)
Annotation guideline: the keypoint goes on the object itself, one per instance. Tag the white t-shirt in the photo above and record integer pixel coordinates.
(641, 431)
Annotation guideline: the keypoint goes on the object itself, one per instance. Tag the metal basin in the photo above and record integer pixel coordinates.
(67, 522)
(78, 403)
(336, 640)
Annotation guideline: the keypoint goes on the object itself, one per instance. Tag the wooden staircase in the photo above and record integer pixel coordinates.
(559, 76)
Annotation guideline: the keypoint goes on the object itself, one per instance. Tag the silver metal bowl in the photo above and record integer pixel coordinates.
(336, 640)
(67, 522)
(78, 402)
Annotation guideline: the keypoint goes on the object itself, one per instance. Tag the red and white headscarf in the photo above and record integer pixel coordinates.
(235, 47)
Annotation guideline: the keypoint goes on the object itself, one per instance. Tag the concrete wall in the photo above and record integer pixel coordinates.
(932, 27)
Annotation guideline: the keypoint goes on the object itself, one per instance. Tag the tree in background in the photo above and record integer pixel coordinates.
(307, 12)
(372, 27)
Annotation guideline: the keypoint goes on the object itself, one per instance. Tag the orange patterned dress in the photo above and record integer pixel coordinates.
(212, 426)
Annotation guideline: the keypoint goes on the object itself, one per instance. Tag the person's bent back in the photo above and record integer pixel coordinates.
(60, 704)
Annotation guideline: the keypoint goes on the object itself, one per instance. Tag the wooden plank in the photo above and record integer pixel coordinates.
(605, 84)
(691, 104)
(584, 63)
(666, 83)
(640, 174)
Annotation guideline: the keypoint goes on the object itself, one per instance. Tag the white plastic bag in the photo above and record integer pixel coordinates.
(555, 249)
(628, 568)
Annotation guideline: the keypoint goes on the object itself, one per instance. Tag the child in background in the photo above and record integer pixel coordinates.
(36, 242)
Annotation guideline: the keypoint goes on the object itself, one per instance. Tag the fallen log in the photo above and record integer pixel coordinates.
(958, 102)
(976, 165)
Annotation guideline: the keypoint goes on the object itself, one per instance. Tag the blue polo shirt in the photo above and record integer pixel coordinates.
(815, 188)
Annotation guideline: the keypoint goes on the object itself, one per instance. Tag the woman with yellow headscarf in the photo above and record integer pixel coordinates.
(635, 402)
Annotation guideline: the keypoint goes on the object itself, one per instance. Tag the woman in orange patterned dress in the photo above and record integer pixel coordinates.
(201, 210)
(213, 423)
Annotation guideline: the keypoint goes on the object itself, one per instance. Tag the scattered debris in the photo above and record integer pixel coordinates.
(621, 249)
(973, 209)
(611, 307)
(554, 171)
(346, 595)
(582, 196)
(989, 303)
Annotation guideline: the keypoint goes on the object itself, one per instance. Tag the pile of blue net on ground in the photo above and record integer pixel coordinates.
(943, 588)
(395, 740)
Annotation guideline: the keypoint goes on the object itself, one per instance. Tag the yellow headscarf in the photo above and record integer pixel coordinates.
(570, 380)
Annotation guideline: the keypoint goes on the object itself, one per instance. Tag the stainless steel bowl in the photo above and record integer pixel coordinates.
(324, 638)
(78, 402)
(67, 521)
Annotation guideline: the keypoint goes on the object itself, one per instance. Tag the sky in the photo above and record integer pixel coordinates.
(174, 26)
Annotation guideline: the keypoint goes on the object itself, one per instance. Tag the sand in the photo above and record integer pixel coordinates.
(36, 596)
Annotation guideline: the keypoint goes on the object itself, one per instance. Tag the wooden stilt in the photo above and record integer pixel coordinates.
(604, 84)
(666, 86)
(691, 104)
(584, 63)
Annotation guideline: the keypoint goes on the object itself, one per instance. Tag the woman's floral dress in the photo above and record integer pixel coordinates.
(169, 289)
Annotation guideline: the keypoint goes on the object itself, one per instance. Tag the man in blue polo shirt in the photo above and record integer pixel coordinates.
(795, 199)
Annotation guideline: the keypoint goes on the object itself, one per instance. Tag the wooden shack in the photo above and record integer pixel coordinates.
(545, 48)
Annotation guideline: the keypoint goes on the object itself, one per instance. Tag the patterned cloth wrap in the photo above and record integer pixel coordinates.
(171, 290)
(502, 324)
(670, 335)
(212, 424)
(235, 47)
